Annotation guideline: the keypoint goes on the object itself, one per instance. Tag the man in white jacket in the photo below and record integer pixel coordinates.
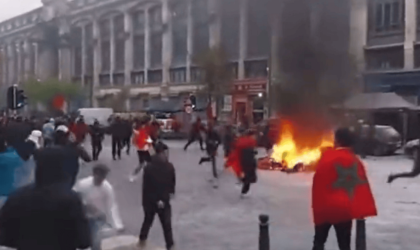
(99, 199)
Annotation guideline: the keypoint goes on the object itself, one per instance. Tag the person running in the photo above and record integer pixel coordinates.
(100, 203)
(212, 143)
(413, 173)
(195, 134)
(158, 187)
(243, 162)
(73, 150)
(143, 144)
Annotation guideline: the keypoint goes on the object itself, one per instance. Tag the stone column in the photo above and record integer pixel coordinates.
(243, 37)
(410, 33)
(20, 58)
(167, 42)
(147, 49)
(112, 50)
(46, 62)
(36, 59)
(3, 61)
(11, 52)
(27, 50)
(97, 63)
(84, 55)
(190, 41)
(216, 24)
(129, 48)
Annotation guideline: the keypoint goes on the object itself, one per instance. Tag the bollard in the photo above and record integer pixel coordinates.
(361, 234)
(264, 238)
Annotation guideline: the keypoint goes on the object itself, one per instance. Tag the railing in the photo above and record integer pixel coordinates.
(264, 236)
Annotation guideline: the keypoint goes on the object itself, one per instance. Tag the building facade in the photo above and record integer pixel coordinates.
(147, 47)
(387, 46)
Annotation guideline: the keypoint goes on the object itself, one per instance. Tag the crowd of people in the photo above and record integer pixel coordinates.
(40, 161)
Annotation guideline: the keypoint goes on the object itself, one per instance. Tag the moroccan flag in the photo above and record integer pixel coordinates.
(341, 190)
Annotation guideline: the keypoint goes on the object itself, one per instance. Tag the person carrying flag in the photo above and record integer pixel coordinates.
(143, 143)
(340, 192)
(243, 162)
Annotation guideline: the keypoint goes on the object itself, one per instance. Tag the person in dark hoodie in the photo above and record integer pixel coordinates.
(212, 143)
(73, 151)
(54, 217)
(158, 188)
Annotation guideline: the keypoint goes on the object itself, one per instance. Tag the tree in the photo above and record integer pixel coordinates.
(216, 73)
(117, 101)
(43, 92)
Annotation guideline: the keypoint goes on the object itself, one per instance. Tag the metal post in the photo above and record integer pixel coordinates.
(361, 234)
(264, 237)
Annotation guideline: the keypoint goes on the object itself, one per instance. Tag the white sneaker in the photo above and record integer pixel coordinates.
(132, 178)
(244, 196)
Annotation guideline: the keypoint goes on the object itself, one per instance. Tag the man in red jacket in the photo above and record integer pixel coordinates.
(340, 192)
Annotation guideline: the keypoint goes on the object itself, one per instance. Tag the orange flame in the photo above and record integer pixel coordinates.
(289, 152)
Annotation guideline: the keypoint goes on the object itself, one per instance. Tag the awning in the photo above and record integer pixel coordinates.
(377, 101)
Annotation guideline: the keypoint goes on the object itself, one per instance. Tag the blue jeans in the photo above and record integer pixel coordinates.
(96, 224)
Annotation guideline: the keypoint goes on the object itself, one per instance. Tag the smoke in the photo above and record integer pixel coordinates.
(314, 64)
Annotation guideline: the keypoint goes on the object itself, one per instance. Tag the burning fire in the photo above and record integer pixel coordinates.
(297, 147)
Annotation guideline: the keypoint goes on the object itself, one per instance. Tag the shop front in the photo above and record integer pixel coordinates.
(249, 99)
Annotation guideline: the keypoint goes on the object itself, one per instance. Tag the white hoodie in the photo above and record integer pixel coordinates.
(102, 198)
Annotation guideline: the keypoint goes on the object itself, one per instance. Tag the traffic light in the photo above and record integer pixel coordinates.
(21, 99)
(16, 98)
(193, 100)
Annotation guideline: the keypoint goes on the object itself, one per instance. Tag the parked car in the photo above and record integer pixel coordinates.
(385, 142)
(411, 148)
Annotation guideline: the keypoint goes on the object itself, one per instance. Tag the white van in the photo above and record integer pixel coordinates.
(92, 114)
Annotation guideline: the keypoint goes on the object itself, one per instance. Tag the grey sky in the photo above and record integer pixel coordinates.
(11, 8)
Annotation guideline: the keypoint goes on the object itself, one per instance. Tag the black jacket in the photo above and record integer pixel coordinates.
(249, 164)
(212, 141)
(46, 215)
(158, 182)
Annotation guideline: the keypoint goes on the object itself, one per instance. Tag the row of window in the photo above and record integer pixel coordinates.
(389, 59)
(253, 69)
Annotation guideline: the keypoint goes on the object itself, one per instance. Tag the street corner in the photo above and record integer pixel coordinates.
(125, 242)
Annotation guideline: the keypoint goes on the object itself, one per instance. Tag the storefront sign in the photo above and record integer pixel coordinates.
(251, 86)
(227, 103)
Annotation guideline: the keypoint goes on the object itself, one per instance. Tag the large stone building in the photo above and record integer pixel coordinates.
(148, 46)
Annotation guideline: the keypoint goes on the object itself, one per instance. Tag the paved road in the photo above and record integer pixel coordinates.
(208, 219)
(217, 219)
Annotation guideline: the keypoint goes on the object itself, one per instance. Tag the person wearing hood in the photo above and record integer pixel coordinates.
(32, 143)
(10, 162)
(48, 132)
(48, 205)
(97, 135)
(158, 188)
(73, 152)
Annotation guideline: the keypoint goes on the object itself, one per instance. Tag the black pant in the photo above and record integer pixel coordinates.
(96, 149)
(116, 147)
(342, 230)
(144, 158)
(245, 187)
(165, 220)
(126, 142)
(212, 159)
(194, 138)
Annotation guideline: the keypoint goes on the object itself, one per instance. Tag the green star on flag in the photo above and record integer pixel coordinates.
(348, 179)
